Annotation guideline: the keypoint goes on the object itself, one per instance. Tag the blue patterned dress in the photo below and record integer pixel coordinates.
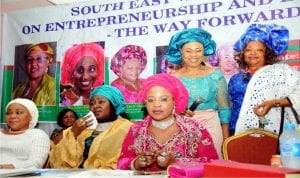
(237, 87)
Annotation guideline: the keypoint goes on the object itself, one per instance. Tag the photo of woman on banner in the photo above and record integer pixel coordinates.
(223, 59)
(128, 63)
(167, 67)
(82, 69)
(39, 84)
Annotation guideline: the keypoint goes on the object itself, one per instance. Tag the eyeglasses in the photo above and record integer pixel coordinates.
(38, 59)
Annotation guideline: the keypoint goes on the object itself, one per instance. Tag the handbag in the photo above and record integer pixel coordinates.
(191, 169)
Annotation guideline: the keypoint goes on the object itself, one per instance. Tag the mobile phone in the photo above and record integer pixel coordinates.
(195, 104)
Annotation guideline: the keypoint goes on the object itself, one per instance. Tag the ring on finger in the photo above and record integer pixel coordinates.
(82, 122)
(164, 153)
(142, 158)
(161, 158)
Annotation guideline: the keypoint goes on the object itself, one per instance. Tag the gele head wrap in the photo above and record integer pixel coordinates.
(274, 36)
(125, 54)
(31, 108)
(172, 84)
(46, 48)
(74, 54)
(112, 94)
(173, 52)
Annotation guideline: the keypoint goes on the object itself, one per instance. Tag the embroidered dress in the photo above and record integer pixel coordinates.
(237, 88)
(192, 142)
(270, 82)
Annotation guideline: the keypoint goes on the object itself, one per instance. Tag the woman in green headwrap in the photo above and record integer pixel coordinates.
(82, 147)
(207, 86)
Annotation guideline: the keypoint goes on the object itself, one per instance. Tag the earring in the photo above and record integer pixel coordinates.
(173, 112)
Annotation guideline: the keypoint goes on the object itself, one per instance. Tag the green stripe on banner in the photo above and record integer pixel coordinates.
(106, 75)
(154, 65)
(294, 48)
(6, 91)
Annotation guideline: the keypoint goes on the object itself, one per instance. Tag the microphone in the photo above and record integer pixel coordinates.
(195, 104)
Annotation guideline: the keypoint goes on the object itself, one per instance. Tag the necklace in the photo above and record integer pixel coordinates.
(16, 132)
(163, 124)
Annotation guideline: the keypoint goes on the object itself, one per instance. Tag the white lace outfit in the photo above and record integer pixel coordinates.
(270, 82)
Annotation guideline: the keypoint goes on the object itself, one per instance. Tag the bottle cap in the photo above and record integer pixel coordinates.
(289, 126)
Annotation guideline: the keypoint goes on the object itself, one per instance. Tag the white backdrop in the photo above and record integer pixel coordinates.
(148, 23)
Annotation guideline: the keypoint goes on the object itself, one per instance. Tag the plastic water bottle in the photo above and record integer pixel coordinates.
(290, 147)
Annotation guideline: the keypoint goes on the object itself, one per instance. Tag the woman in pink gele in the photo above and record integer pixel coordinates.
(82, 70)
(128, 63)
(165, 136)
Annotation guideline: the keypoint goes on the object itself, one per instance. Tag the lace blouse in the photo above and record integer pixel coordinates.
(212, 88)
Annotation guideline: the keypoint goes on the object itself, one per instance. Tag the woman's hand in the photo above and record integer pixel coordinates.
(188, 113)
(144, 160)
(81, 124)
(263, 108)
(164, 159)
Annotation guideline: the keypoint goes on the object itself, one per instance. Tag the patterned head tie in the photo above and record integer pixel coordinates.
(274, 36)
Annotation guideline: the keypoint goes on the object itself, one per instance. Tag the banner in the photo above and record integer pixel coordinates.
(107, 28)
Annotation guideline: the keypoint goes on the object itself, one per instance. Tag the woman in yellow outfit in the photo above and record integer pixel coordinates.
(82, 147)
(40, 87)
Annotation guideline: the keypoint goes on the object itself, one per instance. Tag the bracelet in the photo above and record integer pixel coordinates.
(277, 103)
(132, 165)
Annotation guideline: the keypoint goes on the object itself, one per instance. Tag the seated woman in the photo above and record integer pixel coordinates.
(23, 146)
(65, 119)
(82, 147)
(164, 136)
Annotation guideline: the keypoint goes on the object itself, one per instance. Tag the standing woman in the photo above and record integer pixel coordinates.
(82, 70)
(40, 87)
(83, 147)
(206, 85)
(128, 63)
(165, 136)
(23, 146)
(263, 86)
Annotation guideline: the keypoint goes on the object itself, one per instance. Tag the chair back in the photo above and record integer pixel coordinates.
(253, 146)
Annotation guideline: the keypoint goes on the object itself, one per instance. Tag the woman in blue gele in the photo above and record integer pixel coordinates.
(263, 86)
